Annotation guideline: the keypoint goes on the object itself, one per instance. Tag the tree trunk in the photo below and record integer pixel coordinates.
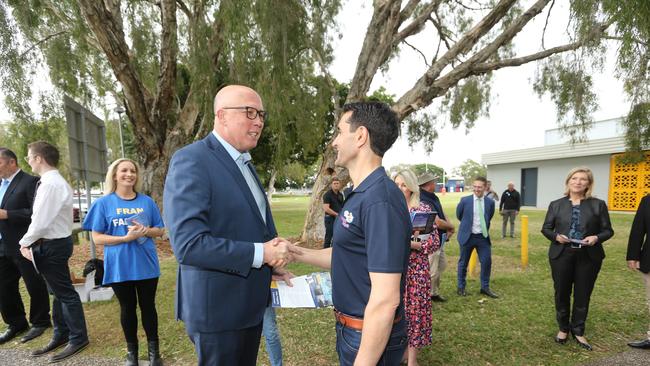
(314, 228)
(271, 188)
(153, 177)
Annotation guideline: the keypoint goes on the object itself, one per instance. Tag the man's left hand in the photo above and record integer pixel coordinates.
(3, 214)
(26, 253)
(590, 240)
(281, 274)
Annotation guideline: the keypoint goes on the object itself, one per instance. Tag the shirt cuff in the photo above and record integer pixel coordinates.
(258, 258)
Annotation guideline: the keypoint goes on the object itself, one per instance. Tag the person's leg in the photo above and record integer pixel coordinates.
(646, 279)
(146, 290)
(484, 251)
(39, 299)
(329, 231)
(11, 303)
(504, 225)
(512, 216)
(586, 272)
(562, 270)
(237, 347)
(436, 266)
(272, 337)
(347, 344)
(126, 295)
(463, 261)
(53, 265)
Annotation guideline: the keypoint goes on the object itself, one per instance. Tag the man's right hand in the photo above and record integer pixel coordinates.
(278, 252)
(562, 239)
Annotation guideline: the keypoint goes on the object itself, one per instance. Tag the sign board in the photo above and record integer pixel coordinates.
(86, 142)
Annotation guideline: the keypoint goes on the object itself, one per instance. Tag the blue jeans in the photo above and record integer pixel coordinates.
(484, 250)
(67, 312)
(348, 341)
(272, 337)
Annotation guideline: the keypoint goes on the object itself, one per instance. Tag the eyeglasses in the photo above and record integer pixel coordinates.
(252, 113)
(27, 158)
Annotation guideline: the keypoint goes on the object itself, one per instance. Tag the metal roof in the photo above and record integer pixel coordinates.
(611, 145)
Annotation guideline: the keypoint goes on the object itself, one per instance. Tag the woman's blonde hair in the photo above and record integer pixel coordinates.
(412, 184)
(109, 183)
(590, 178)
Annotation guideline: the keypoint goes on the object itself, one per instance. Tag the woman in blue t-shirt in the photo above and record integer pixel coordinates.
(124, 221)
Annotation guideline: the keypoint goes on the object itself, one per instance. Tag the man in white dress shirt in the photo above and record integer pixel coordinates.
(48, 243)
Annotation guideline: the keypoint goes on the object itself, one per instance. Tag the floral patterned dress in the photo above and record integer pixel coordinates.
(417, 300)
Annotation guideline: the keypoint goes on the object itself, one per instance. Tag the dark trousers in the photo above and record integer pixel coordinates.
(573, 271)
(11, 303)
(348, 341)
(129, 293)
(484, 250)
(235, 347)
(67, 312)
(329, 230)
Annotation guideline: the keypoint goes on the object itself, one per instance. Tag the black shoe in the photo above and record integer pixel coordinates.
(585, 345)
(34, 332)
(438, 298)
(487, 292)
(11, 333)
(461, 292)
(644, 344)
(561, 340)
(154, 353)
(54, 344)
(132, 354)
(69, 351)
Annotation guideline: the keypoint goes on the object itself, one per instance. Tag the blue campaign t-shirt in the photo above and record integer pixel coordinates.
(129, 261)
(371, 234)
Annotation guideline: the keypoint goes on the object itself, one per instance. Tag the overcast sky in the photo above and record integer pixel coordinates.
(518, 118)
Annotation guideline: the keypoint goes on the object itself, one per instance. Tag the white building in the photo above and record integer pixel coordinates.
(539, 173)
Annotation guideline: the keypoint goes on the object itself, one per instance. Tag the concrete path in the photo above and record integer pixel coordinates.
(633, 357)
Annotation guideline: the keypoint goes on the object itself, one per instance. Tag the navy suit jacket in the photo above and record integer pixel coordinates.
(213, 221)
(465, 213)
(18, 201)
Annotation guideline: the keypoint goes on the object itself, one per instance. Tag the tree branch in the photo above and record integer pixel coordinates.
(617, 38)
(548, 15)
(418, 51)
(165, 100)
(47, 38)
(408, 10)
(518, 61)
(418, 23)
(184, 8)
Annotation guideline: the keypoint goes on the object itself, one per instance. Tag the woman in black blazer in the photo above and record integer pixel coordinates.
(577, 225)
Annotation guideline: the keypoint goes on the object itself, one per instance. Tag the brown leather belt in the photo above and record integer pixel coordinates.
(355, 323)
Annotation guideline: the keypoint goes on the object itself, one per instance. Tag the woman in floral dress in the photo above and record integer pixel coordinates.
(417, 303)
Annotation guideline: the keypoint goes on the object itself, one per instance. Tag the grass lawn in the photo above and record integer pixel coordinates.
(517, 329)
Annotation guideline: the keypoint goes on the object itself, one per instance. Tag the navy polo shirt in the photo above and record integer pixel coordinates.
(371, 234)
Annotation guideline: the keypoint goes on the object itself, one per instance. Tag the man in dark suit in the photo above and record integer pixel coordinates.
(638, 255)
(222, 233)
(475, 213)
(17, 190)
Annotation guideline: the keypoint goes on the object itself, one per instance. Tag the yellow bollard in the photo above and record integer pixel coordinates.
(473, 258)
(524, 241)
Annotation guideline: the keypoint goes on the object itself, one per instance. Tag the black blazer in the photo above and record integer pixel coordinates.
(594, 220)
(637, 245)
(18, 201)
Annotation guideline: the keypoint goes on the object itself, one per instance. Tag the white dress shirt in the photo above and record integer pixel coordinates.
(476, 220)
(52, 211)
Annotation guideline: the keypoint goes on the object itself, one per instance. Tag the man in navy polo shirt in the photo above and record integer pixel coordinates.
(370, 247)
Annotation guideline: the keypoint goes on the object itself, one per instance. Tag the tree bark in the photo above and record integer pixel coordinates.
(314, 228)
(271, 187)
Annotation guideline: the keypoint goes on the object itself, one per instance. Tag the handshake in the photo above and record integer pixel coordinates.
(279, 252)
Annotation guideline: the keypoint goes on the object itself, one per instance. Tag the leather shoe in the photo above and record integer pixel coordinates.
(69, 351)
(54, 344)
(438, 298)
(461, 292)
(487, 292)
(32, 333)
(584, 345)
(11, 333)
(644, 344)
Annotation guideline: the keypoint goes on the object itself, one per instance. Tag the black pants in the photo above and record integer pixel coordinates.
(129, 293)
(67, 311)
(573, 271)
(12, 268)
(329, 230)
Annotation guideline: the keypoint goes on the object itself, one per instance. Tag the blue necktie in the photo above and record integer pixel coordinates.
(3, 189)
